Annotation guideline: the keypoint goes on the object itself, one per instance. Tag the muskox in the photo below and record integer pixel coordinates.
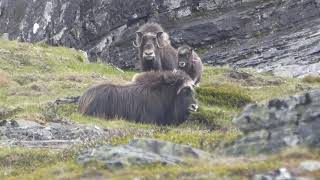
(190, 62)
(155, 50)
(154, 97)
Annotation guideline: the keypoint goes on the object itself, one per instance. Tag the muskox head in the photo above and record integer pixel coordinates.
(185, 102)
(185, 56)
(150, 38)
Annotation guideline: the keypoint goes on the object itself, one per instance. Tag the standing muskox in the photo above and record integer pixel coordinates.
(155, 50)
(155, 97)
(190, 62)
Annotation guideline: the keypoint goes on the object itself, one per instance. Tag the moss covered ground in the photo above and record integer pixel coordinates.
(31, 75)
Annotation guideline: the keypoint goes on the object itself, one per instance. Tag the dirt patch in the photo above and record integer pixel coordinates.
(4, 79)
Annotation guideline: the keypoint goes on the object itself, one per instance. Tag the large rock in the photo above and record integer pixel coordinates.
(279, 36)
(57, 135)
(279, 124)
(140, 152)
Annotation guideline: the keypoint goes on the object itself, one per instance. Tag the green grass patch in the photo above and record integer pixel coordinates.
(226, 95)
(205, 140)
(214, 117)
(16, 161)
(311, 79)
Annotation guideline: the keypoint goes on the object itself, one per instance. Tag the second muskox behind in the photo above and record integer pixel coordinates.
(161, 98)
(190, 62)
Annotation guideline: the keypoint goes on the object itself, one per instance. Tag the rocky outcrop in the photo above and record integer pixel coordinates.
(54, 135)
(278, 36)
(279, 124)
(142, 152)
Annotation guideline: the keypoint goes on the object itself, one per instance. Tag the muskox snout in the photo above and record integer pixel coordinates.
(182, 64)
(193, 107)
(148, 54)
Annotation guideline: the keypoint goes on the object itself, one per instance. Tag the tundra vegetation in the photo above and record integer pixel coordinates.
(31, 75)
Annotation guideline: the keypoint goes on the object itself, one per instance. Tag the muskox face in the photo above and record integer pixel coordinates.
(149, 44)
(186, 101)
(184, 56)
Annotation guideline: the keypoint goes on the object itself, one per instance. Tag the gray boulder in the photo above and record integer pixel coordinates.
(140, 152)
(57, 135)
(279, 124)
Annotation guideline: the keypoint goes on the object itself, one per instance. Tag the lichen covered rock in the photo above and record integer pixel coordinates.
(279, 124)
(55, 135)
(141, 152)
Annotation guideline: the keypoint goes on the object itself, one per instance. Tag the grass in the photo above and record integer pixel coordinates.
(311, 79)
(17, 161)
(221, 167)
(224, 95)
(32, 75)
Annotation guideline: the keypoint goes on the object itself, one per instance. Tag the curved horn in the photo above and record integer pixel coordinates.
(189, 84)
(136, 43)
(159, 34)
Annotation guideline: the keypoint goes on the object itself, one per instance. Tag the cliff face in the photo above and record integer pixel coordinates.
(279, 36)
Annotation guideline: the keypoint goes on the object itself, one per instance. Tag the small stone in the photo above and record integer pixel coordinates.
(310, 166)
(262, 177)
(291, 140)
(284, 174)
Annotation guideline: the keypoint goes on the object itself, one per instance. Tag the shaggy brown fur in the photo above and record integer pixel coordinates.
(155, 97)
(190, 62)
(155, 50)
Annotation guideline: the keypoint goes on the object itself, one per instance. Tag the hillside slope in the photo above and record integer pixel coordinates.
(279, 36)
(37, 81)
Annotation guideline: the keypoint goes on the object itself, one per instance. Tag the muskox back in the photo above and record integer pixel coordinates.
(155, 50)
(151, 98)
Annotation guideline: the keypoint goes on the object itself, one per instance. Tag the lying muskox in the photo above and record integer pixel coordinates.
(155, 50)
(190, 62)
(154, 97)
